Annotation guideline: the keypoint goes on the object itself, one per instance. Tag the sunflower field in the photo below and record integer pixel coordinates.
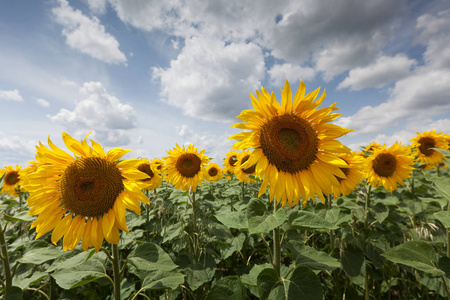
(290, 213)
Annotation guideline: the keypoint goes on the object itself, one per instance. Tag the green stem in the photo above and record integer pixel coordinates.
(5, 258)
(276, 245)
(448, 234)
(331, 231)
(366, 215)
(243, 190)
(116, 270)
(366, 287)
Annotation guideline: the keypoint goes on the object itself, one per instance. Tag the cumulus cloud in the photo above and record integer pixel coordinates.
(382, 72)
(211, 80)
(43, 102)
(15, 150)
(279, 73)
(13, 95)
(87, 34)
(101, 113)
(97, 6)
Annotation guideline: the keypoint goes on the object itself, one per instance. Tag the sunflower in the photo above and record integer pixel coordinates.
(372, 146)
(242, 171)
(389, 166)
(423, 144)
(185, 167)
(13, 180)
(84, 196)
(159, 164)
(354, 174)
(151, 169)
(293, 145)
(230, 161)
(214, 172)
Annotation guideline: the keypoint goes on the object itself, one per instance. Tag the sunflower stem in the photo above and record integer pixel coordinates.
(331, 231)
(276, 245)
(448, 235)
(5, 258)
(116, 270)
(366, 226)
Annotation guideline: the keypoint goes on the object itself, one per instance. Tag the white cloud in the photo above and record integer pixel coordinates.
(69, 83)
(97, 6)
(99, 112)
(378, 74)
(13, 95)
(279, 73)
(14, 150)
(43, 102)
(87, 34)
(211, 80)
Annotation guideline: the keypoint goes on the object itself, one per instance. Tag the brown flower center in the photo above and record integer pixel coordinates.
(384, 164)
(426, 143)
(249, 170)
(188, 165)
(213, 172)
(232, 160)
(289, 143)
(90, 186)
(147, 170)
(11, 178)
(346, 171)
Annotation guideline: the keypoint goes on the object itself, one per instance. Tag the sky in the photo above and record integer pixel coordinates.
(147, 75)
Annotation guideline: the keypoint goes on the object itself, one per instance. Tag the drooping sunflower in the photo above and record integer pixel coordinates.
(242, 171)
(151, 169)
(354, 174)
(214, 172)
(84, 196)
(372, 146)
(389, 166)
(423, 144)
(13, 180)
(293, 144)
(159, 163)
(185, 167)
(230, 160)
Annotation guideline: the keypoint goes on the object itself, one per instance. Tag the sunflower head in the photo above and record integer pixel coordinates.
(83, 196)
(243, 168)
(13, 180)
(159, 165)
(185, 167)
(151, 169)
(230, 160)
(423, 145)
(353, 174)
(389, 166)
(372, 147)
(214, 172)
(292, 143)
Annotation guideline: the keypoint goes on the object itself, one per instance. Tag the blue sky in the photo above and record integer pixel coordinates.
(145, 75)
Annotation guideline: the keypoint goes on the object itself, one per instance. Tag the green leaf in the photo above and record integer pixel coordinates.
(260, 220)
(440, 183)
(443, 217)
(301, 284)
(227, 288)
(38, 252)
(162, 280)
(26, 282)
(380, 211)
(199, 272)
(73, 277)
(252, 276)
(316, 260)
(305, 220)
(232, 219)
(19, 217)
(416, 254)
(14, 293)
(232, 245)
(69, 260)
(353, 263)
(149, 257)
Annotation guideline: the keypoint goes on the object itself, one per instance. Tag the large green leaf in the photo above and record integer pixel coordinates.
(443, 217)
(162, 280)
(440, 183)
(316, 260)
(231, 245)
(260, 220)
(305, 220)
(379, 211)
(73, 277)
(353, 263)
(19, 217)
(149, 257)
(38, 252)
(301, 284)
(228, 288)
(69, 260)
(197, 273)
(14, 293)
(232, 219)
(416, 254)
